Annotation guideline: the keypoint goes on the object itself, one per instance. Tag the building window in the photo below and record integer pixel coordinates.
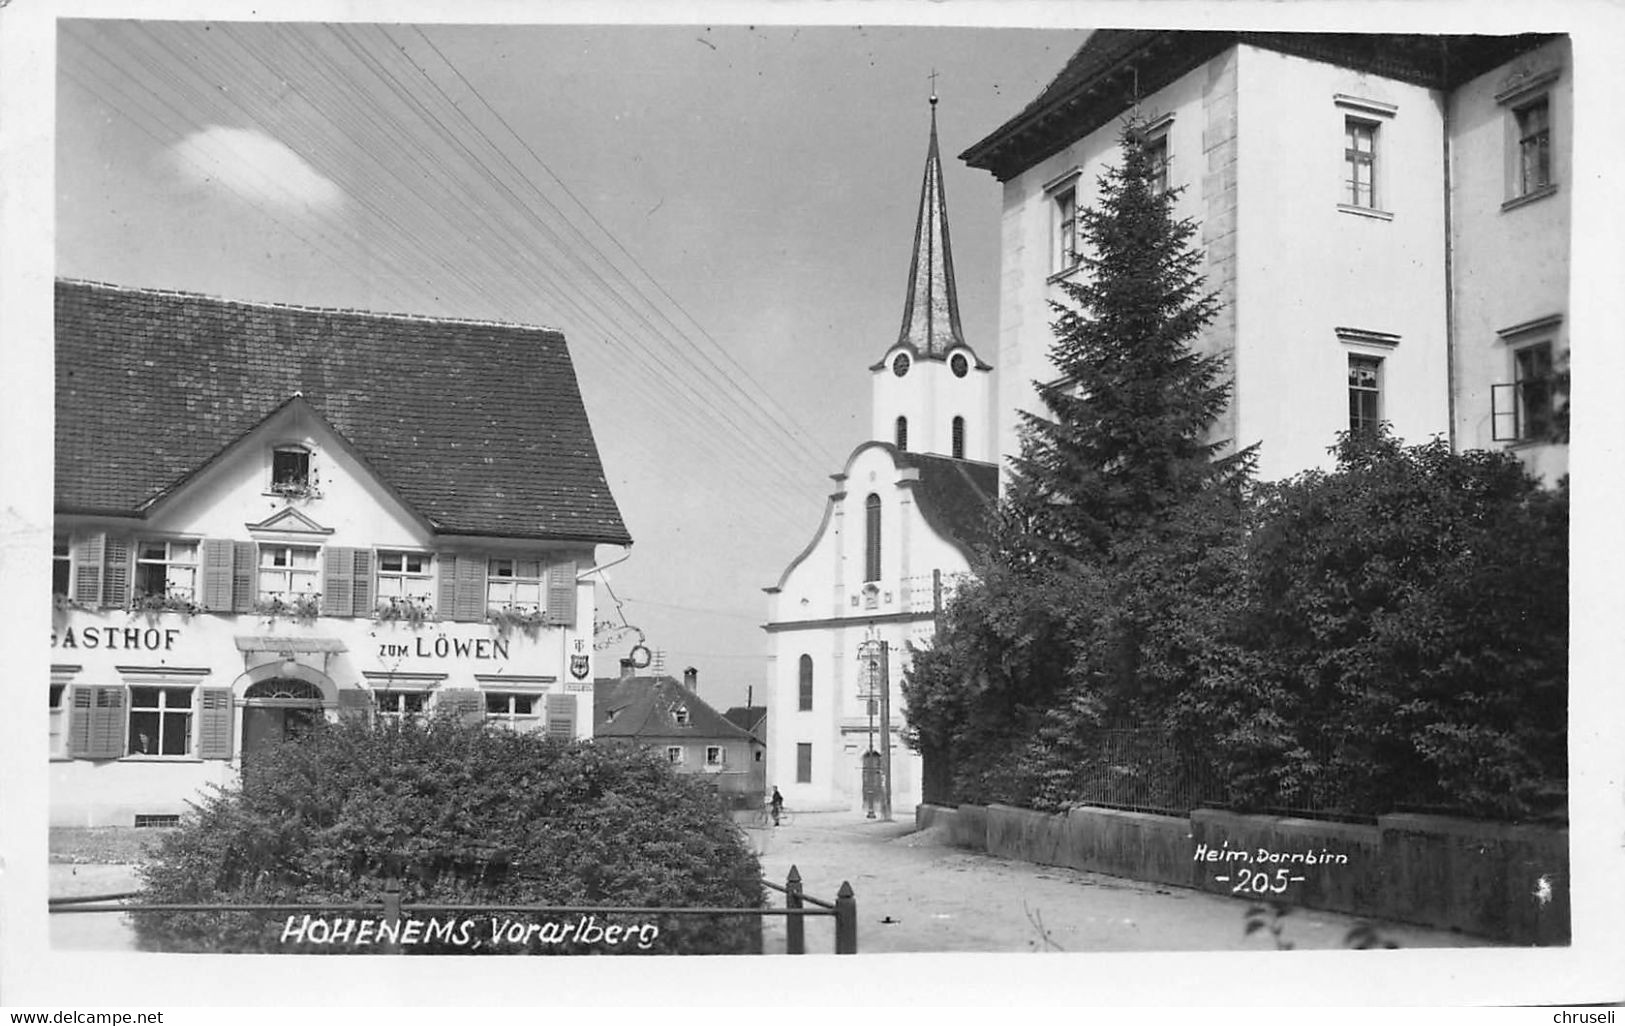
(61, 565)
(959, 438)
(166, 569)
(871, 538)
(674, 754)
(511, 709)
(679, 715)
(1360, 163)
(515, 584)
(1532, 380)
(714, 755)
(404, 575)
(803, 763)
(806, 684)
(1365, 394)
(160, 721)
(1066, 230)
(290, 470)
(287, 570)
(59, 714)
(1534, 121)
(1156, 151)
(398, 707)
(902, 433)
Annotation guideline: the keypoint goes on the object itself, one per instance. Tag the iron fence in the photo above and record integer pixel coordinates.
(391, 912)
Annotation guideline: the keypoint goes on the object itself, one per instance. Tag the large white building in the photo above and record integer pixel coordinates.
(268, 514)
(1385, 220)
(897, 534)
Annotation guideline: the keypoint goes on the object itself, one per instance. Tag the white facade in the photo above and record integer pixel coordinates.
(1416, 281)
(824, 611)
(280, 582)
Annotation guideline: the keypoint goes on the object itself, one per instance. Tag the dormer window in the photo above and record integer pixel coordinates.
(290, 470)
(680, 715)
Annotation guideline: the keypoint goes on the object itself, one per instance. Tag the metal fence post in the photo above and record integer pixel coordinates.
(846, 921)
(795, 935)
(392, 911)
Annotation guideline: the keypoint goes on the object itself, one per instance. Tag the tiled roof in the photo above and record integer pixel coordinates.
(956, 497)
(479, 427)
(642, 706)
(747, 717)
(931, 308)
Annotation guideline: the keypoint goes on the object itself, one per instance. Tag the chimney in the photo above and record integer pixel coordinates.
(628, 671)
(691, 679)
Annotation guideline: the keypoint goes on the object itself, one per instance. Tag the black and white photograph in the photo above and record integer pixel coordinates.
(1028, 496)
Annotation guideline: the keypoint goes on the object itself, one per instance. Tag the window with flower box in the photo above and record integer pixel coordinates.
(515, 584)
(287, 571)
(166, 570)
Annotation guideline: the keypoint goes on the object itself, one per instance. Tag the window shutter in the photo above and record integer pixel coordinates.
(361, 582)
(87, 569)
(214, 728)
(106, 725)
(116, 572)
(80, 711)
(244, 565)
(467, 704)
(561, 717)
(217, 562)
(446, 567)
(355, 702)
(470, 589)
(561, 593)
(338, 579)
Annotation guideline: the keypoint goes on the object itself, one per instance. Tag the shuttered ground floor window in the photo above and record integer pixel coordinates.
(151, 721)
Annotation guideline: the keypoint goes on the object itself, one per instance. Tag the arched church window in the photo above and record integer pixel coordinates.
(902, 433)
(871, 538)
(959, 438)
(806, 684)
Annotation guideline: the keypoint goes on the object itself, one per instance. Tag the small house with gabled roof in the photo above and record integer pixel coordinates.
(669, 716)
(267, 514)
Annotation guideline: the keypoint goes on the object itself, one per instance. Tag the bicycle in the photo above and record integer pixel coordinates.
(764, 817)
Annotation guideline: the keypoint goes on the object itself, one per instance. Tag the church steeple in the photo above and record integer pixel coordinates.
(932, 394)
(931, 309)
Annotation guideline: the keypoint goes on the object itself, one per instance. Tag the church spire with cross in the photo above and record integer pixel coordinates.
(931, 308)
(932, 393)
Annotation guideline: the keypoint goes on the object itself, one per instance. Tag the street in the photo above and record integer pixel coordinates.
(916, 893)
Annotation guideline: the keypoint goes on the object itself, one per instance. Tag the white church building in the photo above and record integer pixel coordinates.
(897, 534)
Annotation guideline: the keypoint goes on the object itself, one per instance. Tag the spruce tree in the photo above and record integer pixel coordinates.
(1126, 438)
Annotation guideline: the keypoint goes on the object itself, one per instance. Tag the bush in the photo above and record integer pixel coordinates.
(460, 814)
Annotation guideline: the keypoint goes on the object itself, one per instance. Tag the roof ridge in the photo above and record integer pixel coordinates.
(304, 308)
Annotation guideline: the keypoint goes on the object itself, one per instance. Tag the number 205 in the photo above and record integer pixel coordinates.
(1260, 882)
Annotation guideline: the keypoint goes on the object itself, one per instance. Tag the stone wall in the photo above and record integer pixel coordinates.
(1500, 881)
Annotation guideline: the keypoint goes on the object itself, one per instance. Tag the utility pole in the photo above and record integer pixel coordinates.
(885, 732)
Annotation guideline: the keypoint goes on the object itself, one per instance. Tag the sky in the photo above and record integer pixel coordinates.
(719, 218)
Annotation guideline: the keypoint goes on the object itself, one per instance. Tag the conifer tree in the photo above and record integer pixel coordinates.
(1126, 437)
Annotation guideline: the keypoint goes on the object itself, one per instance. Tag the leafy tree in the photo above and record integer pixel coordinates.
(1401, 638)
(460, 813)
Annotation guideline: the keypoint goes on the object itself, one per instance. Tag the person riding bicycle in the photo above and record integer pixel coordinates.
(776, 804)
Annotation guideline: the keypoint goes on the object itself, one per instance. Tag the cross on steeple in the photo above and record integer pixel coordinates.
(933, 78)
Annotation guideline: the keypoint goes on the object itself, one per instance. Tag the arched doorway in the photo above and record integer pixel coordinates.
(275, 710)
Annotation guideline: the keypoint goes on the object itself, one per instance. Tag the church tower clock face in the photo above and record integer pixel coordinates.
(899, 366)
(960, 365)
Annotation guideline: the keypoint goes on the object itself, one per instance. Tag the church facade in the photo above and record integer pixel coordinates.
(268, 515)
(897, 535)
